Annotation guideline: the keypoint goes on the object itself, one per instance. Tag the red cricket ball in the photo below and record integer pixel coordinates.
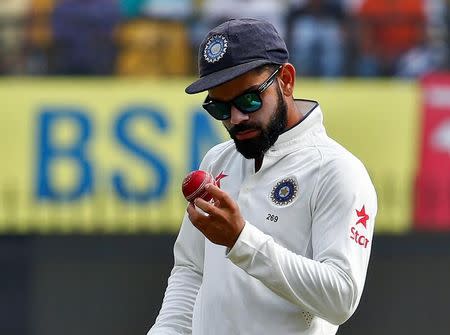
(194, 185)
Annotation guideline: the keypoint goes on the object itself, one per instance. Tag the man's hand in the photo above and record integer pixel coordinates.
(224, 221)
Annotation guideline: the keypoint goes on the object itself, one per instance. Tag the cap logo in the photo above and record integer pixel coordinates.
(284, 192)
(215, 48)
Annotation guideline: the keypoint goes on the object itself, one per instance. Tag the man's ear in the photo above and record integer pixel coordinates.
(287, 81)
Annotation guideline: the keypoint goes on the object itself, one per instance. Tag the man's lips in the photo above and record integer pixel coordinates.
(246, 134)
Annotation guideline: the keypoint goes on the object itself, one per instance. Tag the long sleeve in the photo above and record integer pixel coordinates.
(175, 316)
(328, 285)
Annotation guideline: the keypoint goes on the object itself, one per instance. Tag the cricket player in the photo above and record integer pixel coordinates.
(284, 245)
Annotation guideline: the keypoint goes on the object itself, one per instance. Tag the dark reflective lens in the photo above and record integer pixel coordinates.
(248, 102)
(218, 110)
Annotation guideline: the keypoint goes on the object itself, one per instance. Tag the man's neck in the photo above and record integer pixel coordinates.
(258, 163)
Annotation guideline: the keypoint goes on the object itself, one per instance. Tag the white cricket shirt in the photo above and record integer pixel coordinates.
(300, 263)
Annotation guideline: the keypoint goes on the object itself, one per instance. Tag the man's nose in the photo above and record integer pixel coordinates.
(237, 116)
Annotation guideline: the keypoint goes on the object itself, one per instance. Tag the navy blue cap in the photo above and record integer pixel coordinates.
(234, 48)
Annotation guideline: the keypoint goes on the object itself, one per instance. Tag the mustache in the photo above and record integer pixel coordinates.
(241, 127)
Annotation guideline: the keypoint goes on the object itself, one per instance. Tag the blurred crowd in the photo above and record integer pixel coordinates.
(326, 38)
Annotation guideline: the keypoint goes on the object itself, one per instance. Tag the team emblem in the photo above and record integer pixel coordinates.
(284, 192)
(215, 48)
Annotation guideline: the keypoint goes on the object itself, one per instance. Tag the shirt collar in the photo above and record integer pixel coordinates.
(313, 118)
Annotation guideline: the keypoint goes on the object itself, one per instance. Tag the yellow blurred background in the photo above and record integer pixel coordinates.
(376, 120)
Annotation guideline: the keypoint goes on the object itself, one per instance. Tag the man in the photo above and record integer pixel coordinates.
(283, 247)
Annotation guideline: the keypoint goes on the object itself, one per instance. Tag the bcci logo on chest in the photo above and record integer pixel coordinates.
(284, 192)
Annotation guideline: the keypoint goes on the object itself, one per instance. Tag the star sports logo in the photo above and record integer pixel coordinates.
(363, 217)
(356, 235)
(219, 177)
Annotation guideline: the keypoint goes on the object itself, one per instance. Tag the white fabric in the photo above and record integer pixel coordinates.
(301, 273)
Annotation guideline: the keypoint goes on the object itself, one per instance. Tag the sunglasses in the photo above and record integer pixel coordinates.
(248, 102)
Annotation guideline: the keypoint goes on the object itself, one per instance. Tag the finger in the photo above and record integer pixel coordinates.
(220, 195)
(198, 219)
(205, 206)
(191, 211)
(193, 214)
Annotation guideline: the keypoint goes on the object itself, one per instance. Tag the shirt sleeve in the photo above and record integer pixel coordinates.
(175, 316)
(343, 207)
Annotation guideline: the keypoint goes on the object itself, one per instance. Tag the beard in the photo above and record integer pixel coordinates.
(258, 146)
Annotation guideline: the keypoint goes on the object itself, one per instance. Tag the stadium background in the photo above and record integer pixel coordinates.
(95, 146)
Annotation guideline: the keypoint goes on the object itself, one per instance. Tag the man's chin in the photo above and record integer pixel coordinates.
(250, 149)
